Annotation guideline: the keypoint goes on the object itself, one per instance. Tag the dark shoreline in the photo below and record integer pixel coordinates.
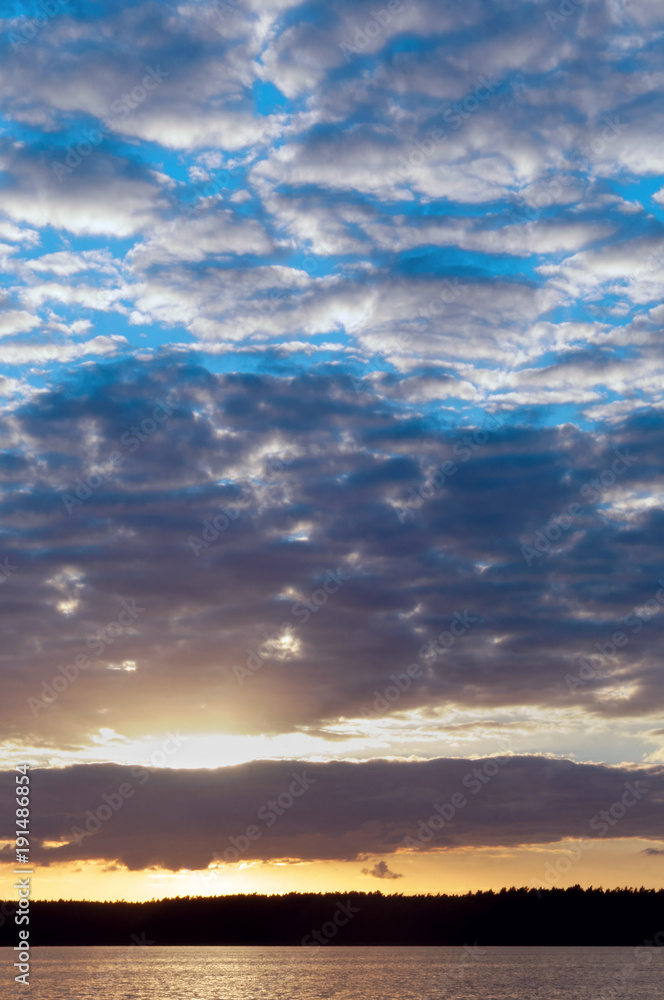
(510, 917)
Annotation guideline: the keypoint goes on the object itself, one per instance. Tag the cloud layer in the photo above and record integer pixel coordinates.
(469, 189)
(290, 545)
(339, 810)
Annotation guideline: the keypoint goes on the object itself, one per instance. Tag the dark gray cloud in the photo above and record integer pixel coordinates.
(344, 547)
(381, 870)
(338, 810)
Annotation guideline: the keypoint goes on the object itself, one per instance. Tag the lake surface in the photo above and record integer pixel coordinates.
(257, 973)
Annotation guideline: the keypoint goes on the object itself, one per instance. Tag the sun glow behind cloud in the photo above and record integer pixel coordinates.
(448, 871)
(416, 733)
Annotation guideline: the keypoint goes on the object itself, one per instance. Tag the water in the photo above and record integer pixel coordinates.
(258, 973)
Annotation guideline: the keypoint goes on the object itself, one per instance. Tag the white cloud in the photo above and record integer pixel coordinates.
(15, 321)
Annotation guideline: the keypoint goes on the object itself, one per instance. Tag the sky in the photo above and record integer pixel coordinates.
(331, 527)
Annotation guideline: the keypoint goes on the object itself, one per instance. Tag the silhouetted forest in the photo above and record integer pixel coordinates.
(572, 916)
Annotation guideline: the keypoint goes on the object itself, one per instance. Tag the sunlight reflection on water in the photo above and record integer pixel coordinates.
(360, 973)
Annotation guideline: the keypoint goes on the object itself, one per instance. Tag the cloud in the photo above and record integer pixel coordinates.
(320, 478)
(404, 150)
(342, 810)
(48, 351)
(181, 82)
(219, 233)
(14, 321)
(98, 194)
(64, 263)
(380, 870)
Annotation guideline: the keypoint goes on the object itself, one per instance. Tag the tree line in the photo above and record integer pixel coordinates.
(572, 916)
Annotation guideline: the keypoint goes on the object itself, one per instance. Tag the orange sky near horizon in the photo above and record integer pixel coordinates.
(454, 871)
